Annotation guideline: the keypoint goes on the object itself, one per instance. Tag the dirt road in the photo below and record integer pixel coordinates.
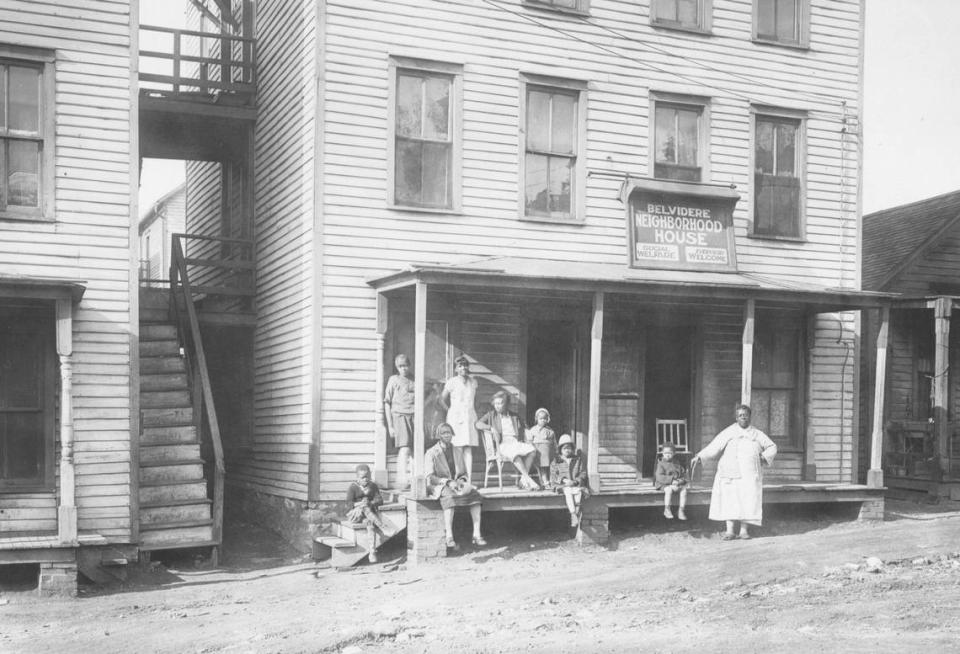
(805, 585)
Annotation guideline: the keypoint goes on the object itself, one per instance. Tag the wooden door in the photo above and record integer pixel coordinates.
(554, 369)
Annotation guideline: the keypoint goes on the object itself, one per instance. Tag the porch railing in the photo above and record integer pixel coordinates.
(206, 64)
(188, 327)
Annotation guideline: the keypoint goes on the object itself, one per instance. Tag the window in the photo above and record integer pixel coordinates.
(781, 21)
(27, 392)
(778, 377)
(425, 139)
(682, 14)
(26, 148)
(680, 140)
(777, 178)
(579, 6)
(553, 172)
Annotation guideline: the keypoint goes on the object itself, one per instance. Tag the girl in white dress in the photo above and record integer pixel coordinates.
(459, 398)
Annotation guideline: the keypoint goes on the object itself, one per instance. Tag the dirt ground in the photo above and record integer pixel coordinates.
(807, 583)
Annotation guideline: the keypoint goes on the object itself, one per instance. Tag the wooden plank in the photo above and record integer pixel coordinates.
(593, 430)
(419, 373)
(875, 474)
(746, 368)
(941, 377)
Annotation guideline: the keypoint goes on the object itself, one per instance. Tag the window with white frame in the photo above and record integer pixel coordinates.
(782, 21)
(26, 139)
(778, 176)
(553, 168)
(680, 139)
(579, 6)
(682, 14)
(425, 135)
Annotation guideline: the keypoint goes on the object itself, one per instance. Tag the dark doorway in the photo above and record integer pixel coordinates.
(667, 383)
(553, 370)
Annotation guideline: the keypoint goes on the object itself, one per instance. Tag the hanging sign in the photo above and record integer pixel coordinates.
(680, 226)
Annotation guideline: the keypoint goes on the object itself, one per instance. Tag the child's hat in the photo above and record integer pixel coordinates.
(566, 439)
(543, 411)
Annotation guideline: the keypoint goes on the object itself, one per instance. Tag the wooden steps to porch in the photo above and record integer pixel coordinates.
(350, 545)
(175, 509)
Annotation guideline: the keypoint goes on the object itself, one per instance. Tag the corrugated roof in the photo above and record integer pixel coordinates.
(893, 238)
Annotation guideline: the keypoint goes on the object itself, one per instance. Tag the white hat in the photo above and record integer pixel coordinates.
(566, 439)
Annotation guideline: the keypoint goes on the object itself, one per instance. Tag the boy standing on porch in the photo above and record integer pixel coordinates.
(399, 414)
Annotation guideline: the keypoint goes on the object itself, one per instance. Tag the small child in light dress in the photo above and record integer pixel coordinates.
(671, 477)
(545, 440)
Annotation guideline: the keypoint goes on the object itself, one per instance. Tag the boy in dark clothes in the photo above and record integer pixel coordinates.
(364, 500)
(671, 477)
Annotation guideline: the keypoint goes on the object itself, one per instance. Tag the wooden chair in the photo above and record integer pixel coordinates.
(673, 431)
(492, 459)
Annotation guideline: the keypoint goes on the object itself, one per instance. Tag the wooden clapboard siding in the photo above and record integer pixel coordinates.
(203, 215)
(619, 428)
(833, 401)
(89, 240)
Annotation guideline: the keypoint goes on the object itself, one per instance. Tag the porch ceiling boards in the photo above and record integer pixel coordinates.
(574, 276)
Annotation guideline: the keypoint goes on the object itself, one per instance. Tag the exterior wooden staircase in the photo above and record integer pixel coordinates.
(175, 509)
(350, 545)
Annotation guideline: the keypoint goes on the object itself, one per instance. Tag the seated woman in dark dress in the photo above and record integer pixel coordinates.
(452, 489)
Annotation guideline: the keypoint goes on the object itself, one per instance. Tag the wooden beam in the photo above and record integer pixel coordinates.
(875, 474)
(593, 429)
(380, 473)
(809, 472)
(418, 486)
(67, 506)
(746, 366)
(941, 377)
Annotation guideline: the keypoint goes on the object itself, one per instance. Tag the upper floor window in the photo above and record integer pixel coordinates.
(579, 6)
(777, 177)
(26, 140)
(782, 21)
(778, 377)
(680, 140)
(553, 166)
(425, 139)
(682, 14)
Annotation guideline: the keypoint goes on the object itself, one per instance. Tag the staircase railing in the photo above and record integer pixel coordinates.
(188, 327)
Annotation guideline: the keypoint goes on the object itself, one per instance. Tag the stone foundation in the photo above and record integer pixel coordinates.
(294, 520)
(594, 522)
(871, 509)
(58, 579)
(426, 540)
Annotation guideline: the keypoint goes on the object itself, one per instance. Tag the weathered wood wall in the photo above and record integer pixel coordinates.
(88, 240)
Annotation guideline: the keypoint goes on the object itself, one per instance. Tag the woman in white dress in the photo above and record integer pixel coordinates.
(459, 398)
(737, 494)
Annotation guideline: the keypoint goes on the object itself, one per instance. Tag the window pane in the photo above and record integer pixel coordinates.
(409, 105)
(766, 19)
(786, 149)
(3, 97)
(687, 13)
(666, 143)
(764, 154)
(787, 20)
(561, 174)
(564, 121)
(408, 172)
(436, 174)
(778, 418)
(21, 446)
(437, 123)
(23, 166)
(24, 99)
(538, 121)
(687, 128)
(666, 10)
(535, 184)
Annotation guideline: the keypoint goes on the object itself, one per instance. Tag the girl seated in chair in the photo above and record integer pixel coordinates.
(507, 432)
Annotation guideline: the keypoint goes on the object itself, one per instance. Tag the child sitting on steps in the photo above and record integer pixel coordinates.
(364, 500)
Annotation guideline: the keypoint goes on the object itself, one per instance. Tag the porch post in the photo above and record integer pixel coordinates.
(875, 474)
(418, 486)
(380, 474)
(941, 376)
(593, 429)
(746, 366)
(67, 509)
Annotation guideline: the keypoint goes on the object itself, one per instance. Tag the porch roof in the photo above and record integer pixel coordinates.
(41, 288)
(552, 274)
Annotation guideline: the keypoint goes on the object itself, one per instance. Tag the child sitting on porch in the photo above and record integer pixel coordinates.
(363, 502)
(545, 440)
(568, 475)
(671, 477)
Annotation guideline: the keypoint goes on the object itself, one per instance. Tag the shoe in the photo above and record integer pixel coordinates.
(452, 545)
(745, 536)
(479, 541)
(574, 520)
(728, 536)
(668, 514)
(681, 514)
(372, 557)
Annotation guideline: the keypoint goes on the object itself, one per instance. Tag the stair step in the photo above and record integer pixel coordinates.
(170, 417)
(158, 474)
(156, 493)
(160, 537)
(164, 399)
(158, 332)
(154, 298)
(196, 512)
(159, 348)
(168, 435)
(154, 454)
(162, 365)
(154, 315)
(163, 382)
